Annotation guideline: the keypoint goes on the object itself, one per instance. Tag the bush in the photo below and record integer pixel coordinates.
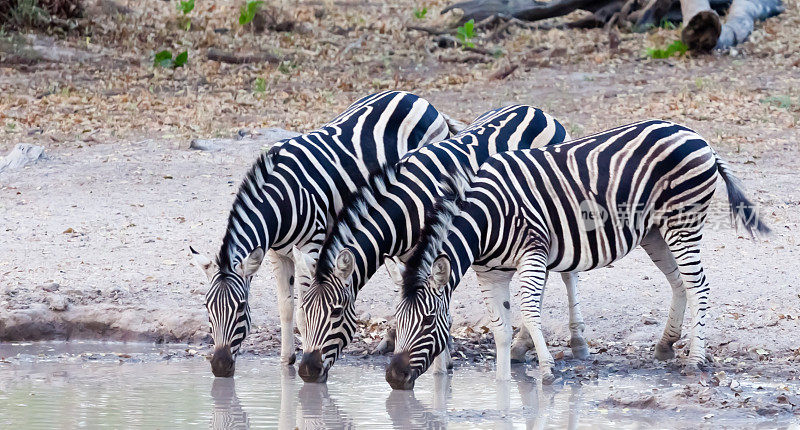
(30, 13)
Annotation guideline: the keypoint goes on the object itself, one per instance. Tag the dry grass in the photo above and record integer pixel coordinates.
(340, 51)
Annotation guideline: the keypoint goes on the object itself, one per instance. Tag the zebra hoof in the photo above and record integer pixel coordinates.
(580, 349)
(581, 352)
(548, 378)
(289, 361)
(664, 352)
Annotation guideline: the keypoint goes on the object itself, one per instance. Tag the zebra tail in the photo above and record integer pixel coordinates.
(455, 126)
(742, 209)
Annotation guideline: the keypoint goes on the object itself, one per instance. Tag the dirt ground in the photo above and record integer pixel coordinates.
(94, 240)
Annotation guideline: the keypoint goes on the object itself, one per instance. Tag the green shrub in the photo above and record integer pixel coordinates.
(249, 11)
(164, 59)
(677, 47)
(466, 32)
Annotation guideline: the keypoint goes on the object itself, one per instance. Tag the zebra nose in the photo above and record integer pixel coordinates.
(398, 373)
(311, 368)
(222, 363)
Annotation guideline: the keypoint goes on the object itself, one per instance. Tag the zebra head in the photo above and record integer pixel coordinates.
(228, 309)
(328, 303)
(423, 321)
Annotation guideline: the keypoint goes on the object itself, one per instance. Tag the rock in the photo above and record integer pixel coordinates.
(259, 137)
(272, 135)
(21, 155)
(51, 287)
(57, 303)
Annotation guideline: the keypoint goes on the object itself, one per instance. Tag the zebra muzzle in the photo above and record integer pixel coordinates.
(222, 363)
(312, 368)
(398, 372)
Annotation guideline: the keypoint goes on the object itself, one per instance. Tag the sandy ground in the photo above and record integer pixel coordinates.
(107, 227)
(94, 240)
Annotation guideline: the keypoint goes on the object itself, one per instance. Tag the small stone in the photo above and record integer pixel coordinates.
(57, 303)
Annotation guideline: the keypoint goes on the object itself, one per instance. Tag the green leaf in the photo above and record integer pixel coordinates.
(260, 86)
(248, 11)
(466, 32)
(469, 27)
(163, 59)
(420, 13)
(186, 6)
(181, 59)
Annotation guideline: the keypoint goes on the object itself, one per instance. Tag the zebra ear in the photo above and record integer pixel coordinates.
(395, 268)
(440, 271)
(205, 264)
(250, 265)
(345, 263)
(303, 263)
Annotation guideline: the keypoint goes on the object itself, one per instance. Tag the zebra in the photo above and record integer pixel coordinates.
(568, 208)
(386, 218)
(288, 198)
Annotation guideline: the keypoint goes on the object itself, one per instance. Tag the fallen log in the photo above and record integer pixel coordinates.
(527, 10)
(701, 25)
(703, 30)
(740, 20)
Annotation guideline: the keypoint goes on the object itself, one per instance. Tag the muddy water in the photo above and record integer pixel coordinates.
(68, 385)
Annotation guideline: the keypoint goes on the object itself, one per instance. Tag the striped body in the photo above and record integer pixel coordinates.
(290, 194)
(386, 218)
(571, 207)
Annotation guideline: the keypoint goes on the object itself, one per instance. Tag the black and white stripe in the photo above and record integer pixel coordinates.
(388, 216)
(293, 190)
(569, 208)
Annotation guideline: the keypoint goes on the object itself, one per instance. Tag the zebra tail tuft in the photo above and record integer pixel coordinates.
(742, 209)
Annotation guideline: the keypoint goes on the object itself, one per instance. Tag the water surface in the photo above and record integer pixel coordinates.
(98, 385)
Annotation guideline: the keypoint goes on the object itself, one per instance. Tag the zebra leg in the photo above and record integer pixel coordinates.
(441, 361)
(659, 252)
(683, 246)
(283, 267)
(532, 276)
(496, 295)
(580, 349)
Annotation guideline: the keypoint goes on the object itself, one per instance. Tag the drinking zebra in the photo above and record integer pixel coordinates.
(288, 198)
(387, 217)
(568, 208)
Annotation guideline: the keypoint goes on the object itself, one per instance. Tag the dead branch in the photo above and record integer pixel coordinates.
(430, 30)
(504, 72)
(231, 58)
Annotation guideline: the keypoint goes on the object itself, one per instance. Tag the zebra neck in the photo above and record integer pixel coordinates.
(371, 243)
(263, 214)
(463, 246)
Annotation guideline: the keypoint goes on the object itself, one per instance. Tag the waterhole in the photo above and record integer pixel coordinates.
(107, 385)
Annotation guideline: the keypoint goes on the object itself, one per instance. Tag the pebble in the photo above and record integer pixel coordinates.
(57, 303)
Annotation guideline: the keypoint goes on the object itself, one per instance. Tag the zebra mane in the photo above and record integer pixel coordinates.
(349, 218)
(438, 220)
(252, 181)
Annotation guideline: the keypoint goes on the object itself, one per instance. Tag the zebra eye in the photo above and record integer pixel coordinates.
(337, 312)
(428, 319)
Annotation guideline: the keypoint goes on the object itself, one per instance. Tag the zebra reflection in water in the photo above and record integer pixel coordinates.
(228, 412)
(318, 410)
